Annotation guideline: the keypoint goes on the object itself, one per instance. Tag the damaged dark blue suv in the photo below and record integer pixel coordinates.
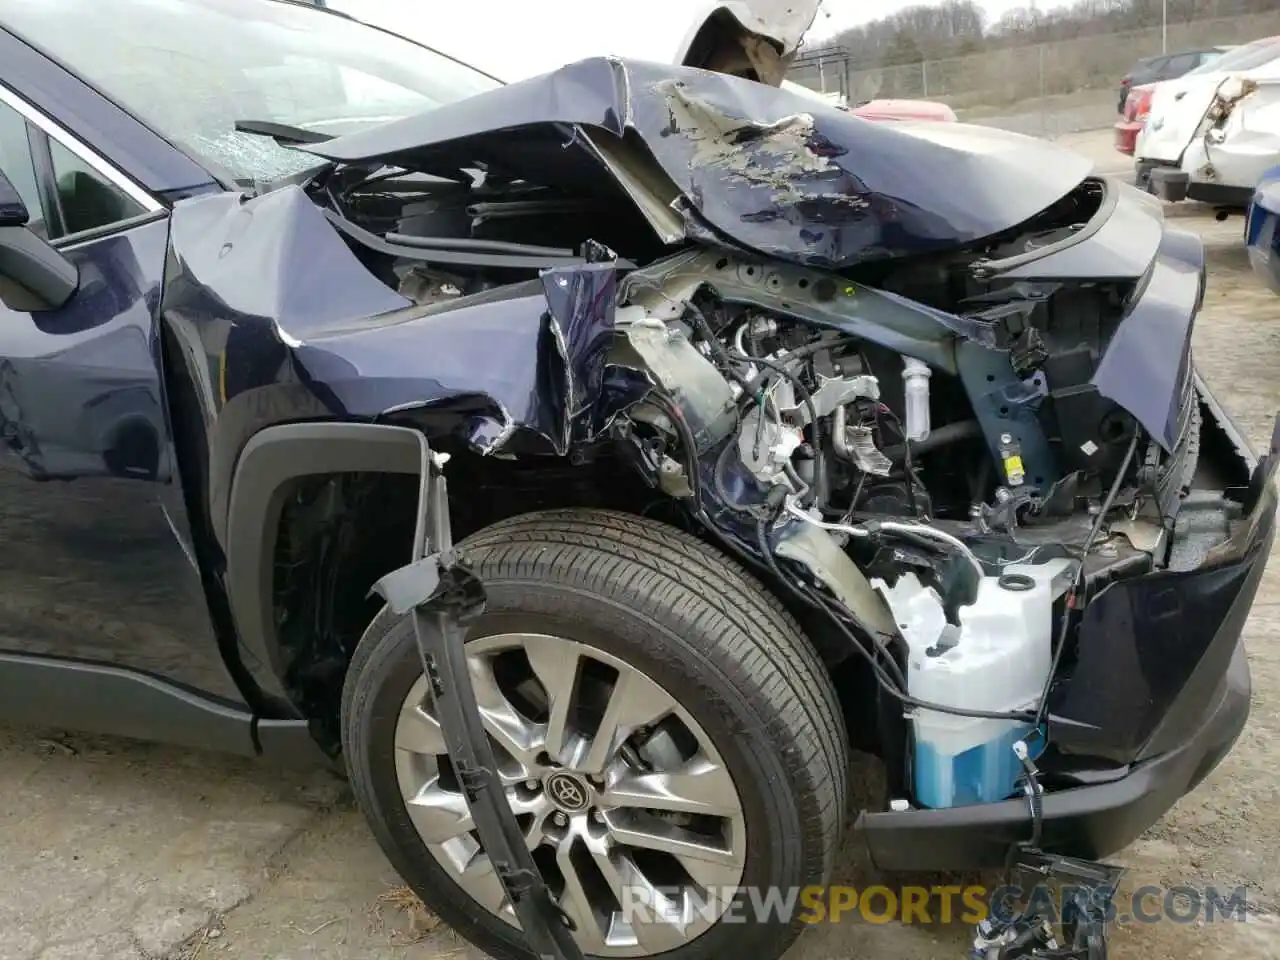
(769, 433)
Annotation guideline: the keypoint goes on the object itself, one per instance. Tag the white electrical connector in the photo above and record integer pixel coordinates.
(915, 381)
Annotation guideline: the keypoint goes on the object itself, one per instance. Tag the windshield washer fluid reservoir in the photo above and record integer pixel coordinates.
(997, 660)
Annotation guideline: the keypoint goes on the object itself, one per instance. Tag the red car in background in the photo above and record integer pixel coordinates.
(903, 110)
(1137, 106)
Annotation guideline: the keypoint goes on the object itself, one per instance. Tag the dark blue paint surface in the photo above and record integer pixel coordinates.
(97, 561)
(1262, 230)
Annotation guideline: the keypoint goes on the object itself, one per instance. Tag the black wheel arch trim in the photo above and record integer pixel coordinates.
(270, 463)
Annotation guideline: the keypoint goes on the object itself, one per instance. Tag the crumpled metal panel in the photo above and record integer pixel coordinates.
(773, 171)
(1147, 365)
(280, 321)
(274, 257)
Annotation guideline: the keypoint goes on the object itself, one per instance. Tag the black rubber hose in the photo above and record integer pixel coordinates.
(940, 437)
(819, 453)
(886, 682)
(714, 344)
(686, 440)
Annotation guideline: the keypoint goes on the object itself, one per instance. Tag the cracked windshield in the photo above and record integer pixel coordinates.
(191, 69)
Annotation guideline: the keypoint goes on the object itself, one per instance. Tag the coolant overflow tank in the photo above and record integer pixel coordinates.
(915, 385)
(997, 660)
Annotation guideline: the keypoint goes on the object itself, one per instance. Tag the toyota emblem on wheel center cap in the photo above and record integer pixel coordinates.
(567, 792)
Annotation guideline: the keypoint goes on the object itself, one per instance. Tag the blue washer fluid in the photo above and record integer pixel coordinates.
(983, 774)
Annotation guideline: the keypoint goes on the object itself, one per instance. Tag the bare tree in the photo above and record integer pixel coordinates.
(958, 27)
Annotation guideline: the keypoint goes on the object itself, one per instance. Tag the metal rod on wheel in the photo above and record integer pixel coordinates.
(442, 594)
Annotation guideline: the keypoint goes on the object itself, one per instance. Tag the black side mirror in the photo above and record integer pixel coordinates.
(13, 212)
(33, 275)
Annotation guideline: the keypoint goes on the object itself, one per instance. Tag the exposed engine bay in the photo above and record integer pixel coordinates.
(919, 454)
(938, 438)
(958, 535)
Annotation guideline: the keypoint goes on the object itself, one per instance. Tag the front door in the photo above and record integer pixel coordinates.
(94, 560)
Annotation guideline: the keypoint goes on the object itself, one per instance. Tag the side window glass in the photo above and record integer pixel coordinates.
(88, 200)
(16, 162)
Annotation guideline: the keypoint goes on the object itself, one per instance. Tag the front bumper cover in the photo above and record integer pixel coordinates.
(1195, 729)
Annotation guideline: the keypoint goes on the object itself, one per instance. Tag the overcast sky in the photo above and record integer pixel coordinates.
(513, 39)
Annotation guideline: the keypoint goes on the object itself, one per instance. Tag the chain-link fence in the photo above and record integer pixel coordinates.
(1044, 89)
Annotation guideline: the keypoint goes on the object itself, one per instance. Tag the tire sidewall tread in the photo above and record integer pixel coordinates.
(694, 621)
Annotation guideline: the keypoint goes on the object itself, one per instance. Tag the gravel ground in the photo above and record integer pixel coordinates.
(122, 851)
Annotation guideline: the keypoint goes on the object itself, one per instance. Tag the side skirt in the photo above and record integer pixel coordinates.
(110, 701)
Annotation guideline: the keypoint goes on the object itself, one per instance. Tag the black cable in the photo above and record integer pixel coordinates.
(714, 344)
(827, 606)
(728, 358)
(1065, 624)
(887, 683)
(906, 458)
(686, 440)
(819, 453)
(817, 346)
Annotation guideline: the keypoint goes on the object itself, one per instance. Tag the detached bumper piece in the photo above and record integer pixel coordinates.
(1080, 933)
(443, 595)
(1175, 185)
(1170, 183)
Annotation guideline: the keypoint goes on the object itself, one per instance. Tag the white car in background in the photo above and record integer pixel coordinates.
(757, 39)
(1212, 133)
(751, 38)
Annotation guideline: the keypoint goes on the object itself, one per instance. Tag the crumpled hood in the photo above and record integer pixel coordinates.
(774, 172)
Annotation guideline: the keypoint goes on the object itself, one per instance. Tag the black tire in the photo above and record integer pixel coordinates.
(696, 623)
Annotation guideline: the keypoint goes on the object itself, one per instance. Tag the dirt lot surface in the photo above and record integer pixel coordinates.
(121, 851)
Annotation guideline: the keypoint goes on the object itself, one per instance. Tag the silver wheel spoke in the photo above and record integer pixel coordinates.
(540, 807)
(656, 921)
(575, 903)
(481, 881)
(439, 814)
(699, 787)
(555, 664)
(709, 866)
(511, 731)
(418, 732)
(636, 701)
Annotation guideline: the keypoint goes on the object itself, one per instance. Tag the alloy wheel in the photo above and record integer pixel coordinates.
(622, 797)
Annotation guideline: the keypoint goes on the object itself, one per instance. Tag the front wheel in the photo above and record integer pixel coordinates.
(666, 736)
